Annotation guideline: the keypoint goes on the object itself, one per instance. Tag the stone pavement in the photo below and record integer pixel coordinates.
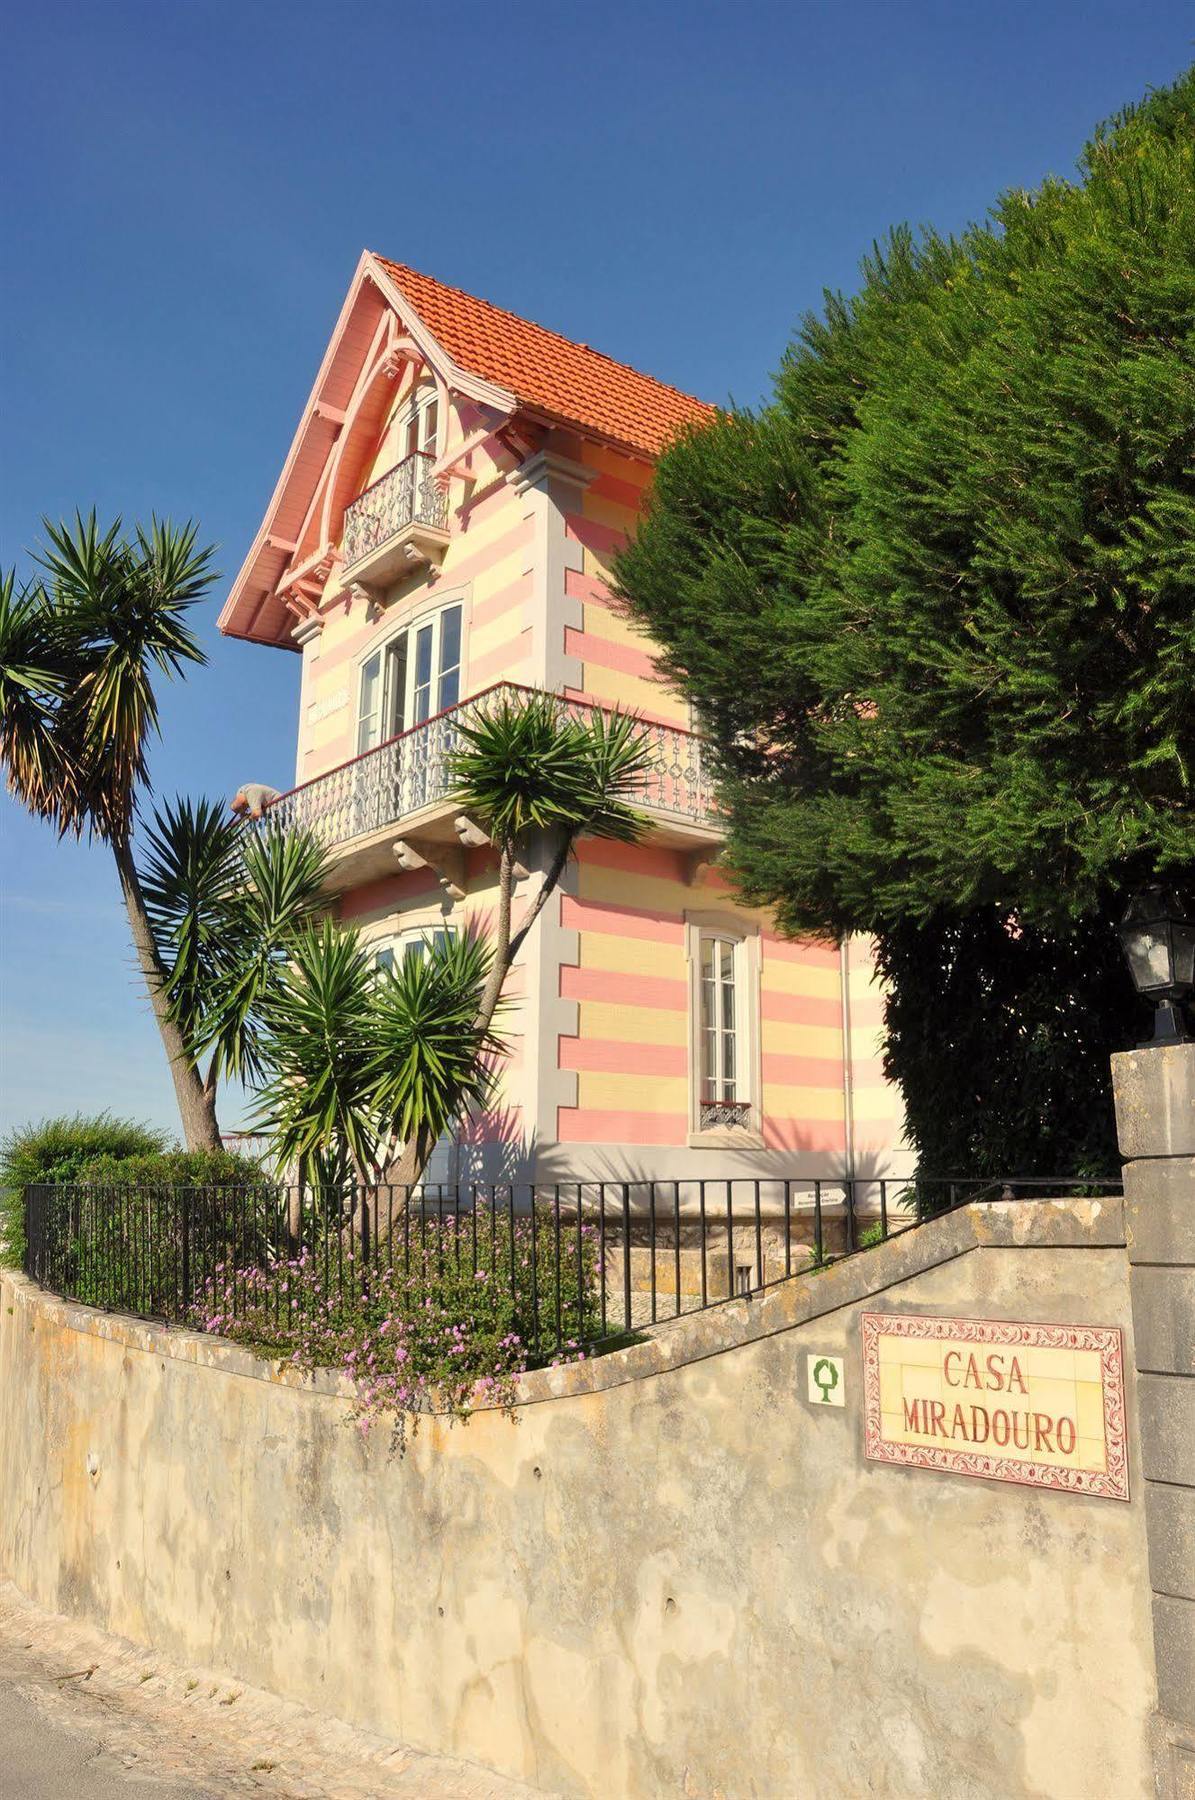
(85, 1713)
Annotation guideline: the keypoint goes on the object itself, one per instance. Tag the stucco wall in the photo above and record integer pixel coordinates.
(668, 1575)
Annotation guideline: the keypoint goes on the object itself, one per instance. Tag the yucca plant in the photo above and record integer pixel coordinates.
(434, 1057)
(533, 769)
(360, 1064)
(226, 905)
(80, 648)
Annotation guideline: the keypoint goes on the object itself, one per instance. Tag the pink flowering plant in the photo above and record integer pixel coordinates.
(440, 1322)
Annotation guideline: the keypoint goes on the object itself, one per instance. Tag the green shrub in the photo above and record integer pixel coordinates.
(55, 1150)
(169, 1168)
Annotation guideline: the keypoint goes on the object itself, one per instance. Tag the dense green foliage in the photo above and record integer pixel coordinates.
(935, 606)
(55, 1150)
(358, 1061)
(1001, 1041)
(226, 904)
(168, 1168)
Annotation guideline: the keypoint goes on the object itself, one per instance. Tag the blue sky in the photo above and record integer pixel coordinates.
(190, 183)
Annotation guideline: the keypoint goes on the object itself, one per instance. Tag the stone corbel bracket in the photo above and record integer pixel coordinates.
(474, 837)
(699, 864)
(445, 863)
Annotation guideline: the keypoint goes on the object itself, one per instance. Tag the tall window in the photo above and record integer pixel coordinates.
(719, 1019)
(725, 1068)
(406, 680)
(418, 422)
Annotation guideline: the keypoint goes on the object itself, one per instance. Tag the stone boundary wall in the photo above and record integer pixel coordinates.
(669, 1574)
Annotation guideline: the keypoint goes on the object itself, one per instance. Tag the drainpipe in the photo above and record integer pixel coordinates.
(848, 1098)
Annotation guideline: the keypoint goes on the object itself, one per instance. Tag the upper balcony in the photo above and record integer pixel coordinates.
(401, 520)
(394, 806)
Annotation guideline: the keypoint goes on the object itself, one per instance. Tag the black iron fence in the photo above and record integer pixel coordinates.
(587, 1263)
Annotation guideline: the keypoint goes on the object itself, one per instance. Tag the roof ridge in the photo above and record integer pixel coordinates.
(548, 330)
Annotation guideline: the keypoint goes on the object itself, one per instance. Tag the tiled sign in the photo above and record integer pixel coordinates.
(1038, 1404)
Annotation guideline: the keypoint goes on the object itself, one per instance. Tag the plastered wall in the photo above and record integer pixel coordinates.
(668, 1574)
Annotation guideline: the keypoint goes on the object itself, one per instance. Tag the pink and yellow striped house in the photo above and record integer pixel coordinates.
(444, 524)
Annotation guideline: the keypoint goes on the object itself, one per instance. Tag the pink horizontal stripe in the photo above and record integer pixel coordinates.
(800, 1009)
(603, 540)
(625, 659)
(823, 1072)
(620, 921)
(634, 859)
(580, 586)
(623, 493)
(606, 1058)
(388, 892)
(623, 990)
(505, 600)
(578, 1125)
(506, 659)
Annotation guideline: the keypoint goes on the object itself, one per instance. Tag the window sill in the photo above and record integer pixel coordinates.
(727, 1137)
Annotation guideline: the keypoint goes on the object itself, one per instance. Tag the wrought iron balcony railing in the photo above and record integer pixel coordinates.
(407, 495)
(414, 771)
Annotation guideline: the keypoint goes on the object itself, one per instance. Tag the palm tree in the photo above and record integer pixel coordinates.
(532, 769)
(226, 904)
(359, 1061)
(79, 649)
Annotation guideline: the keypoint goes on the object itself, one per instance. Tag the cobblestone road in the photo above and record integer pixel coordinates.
(86, 1714)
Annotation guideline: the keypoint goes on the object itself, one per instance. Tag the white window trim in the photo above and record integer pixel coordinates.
(416, 404)
(745, 935)
(424, 609)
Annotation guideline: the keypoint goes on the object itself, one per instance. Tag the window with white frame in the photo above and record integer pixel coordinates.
(412, 676)
(417, 422)
(724, 1009)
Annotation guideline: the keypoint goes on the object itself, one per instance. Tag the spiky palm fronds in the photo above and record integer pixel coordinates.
(529, 764)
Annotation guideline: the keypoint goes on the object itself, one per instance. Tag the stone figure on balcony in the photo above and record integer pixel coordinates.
(252, 798)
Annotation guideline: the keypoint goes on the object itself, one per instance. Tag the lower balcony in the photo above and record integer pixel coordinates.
(377, 811)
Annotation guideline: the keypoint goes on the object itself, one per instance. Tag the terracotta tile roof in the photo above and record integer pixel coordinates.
(549, 373)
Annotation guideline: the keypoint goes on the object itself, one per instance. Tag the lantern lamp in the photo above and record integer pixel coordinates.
(1158, 939)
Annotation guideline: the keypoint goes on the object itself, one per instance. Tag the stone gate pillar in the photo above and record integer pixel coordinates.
(1155, 1120)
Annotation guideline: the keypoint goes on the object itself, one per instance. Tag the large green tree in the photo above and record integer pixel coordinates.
(935, 605)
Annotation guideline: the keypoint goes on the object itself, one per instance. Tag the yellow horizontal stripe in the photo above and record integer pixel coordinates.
(603, 1022)
(799, 978)
(801, 1040)
(632, 956)
(632, 1093)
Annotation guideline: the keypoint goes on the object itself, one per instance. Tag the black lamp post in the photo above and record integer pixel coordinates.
(1158, 940)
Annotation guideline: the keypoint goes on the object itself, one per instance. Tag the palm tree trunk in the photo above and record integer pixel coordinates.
(196, 1099)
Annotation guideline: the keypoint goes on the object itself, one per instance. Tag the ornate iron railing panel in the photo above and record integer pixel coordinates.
(407, 495)
(414, 770)
(720, 1115)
